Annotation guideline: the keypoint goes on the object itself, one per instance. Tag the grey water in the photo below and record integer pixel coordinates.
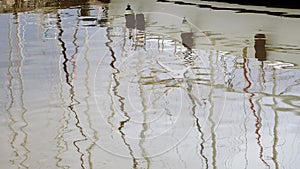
(171, 84)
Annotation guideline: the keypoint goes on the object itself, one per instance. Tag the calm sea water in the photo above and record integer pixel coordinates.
(174, 85)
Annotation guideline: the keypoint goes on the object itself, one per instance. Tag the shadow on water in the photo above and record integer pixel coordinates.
(237, 10)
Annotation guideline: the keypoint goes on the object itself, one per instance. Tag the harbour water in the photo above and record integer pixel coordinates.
(174, 84)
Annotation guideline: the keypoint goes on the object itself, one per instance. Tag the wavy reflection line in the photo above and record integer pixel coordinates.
(189, 89)
(69, 80)
(86, 99)
(237, 141)
(16, 92)
(258, 123)
(246, 139)
(111, 90)
(211, 112)
(144, 111)
(262, 76)
(111, 107)
(61, 143)
(144, 128)
(120, 98)
(21, 81)
(74, 101)
(11, 97)
(245, 120)
(276, 119)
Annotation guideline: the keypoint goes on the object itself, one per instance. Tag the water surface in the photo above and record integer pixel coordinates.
(82, 87)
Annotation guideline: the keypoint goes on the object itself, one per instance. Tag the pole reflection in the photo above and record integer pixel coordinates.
(245, 121)
(73, 125)
(261, 53)
(16, 108)
(258, 123)
(145, 126)
(87, 101)
(66, 120)
(211, 113)
(260, 47)
(11, 94)
(69, 77)
(276, 121)
(61, 142)
(120, 98)
(201, 134)
(19, 64)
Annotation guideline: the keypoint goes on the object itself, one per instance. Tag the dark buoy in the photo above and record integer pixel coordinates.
(186, 34)
(128, 10)
(129, 17)
(260, 47)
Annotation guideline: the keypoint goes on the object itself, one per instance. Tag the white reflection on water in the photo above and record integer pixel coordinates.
(76, 93)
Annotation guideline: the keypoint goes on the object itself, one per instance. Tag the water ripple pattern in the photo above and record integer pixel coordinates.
(171, 84)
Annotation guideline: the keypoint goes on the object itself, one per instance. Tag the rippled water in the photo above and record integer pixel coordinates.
(83, 86)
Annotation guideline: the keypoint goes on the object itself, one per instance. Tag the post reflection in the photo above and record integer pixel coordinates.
(140, 37)
(130, 20)
(186, 35)
(261, 54)
(260, 47)
(135, 23)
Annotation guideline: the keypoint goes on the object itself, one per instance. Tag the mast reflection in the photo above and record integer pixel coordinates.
(256, 113)
(16, 109)
(69, 77)
(120, 98)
